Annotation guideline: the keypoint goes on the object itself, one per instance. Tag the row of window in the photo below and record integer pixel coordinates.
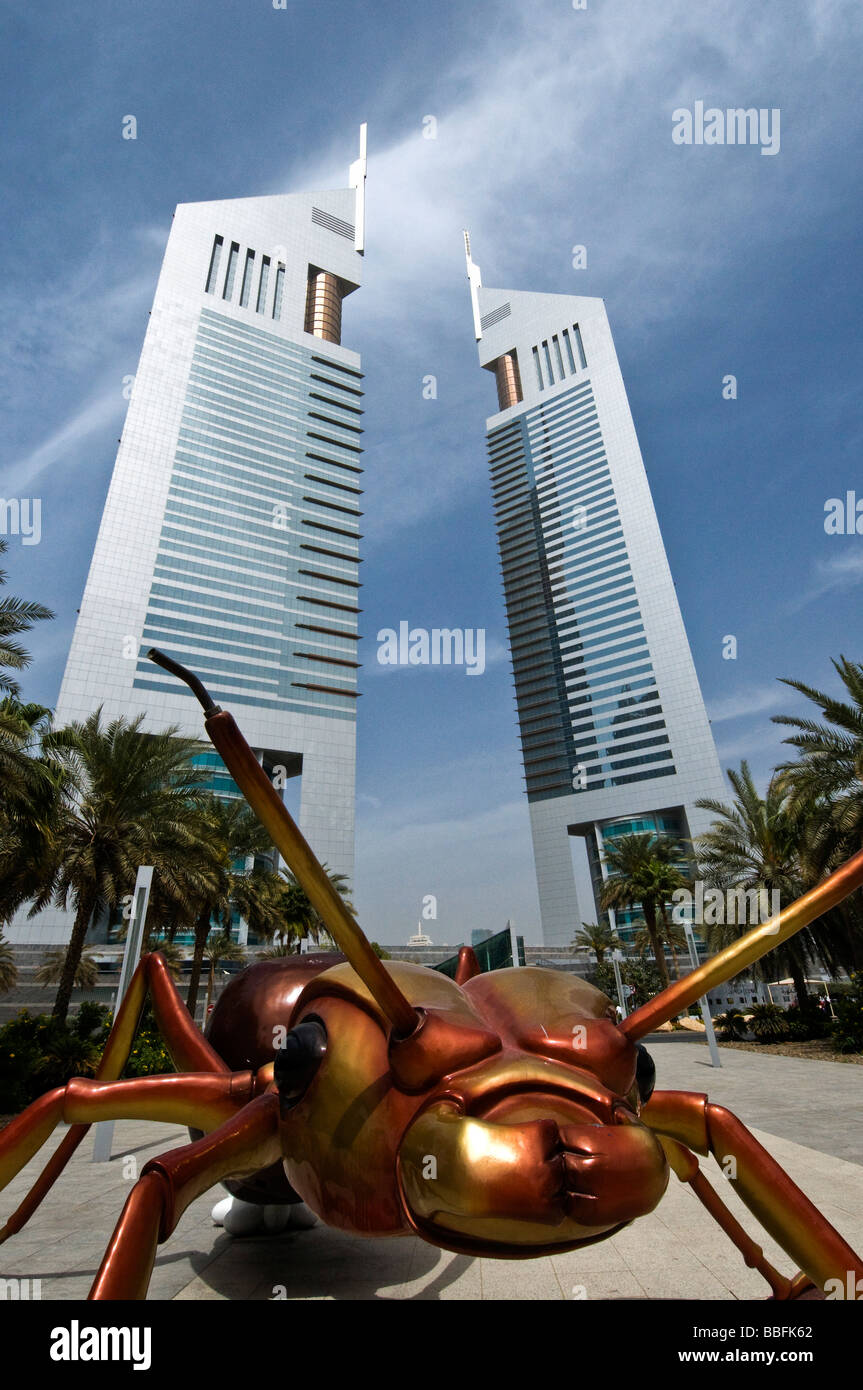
(255, 279)
(549, 357)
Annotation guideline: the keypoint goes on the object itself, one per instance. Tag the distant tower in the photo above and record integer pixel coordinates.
(230, 534)
(615, 737)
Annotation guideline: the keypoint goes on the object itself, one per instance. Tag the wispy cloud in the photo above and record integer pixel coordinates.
(745, 703)
(839, 574)
(63, 443)
(529, 175)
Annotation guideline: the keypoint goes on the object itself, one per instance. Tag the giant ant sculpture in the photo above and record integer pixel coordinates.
(505, 1114)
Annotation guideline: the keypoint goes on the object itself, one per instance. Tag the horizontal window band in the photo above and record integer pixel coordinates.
(337, 366)
(602, 724)
(336, 443)
(329, 660)
(330, 482)
(334, 530)
(340, 385)
(327, 689)
(644, 776)
(336, 463)
(331, 578)
(329, 631)
(332, 506)
(339, 424)
(341, 405)
(327, 603)
(336, 554)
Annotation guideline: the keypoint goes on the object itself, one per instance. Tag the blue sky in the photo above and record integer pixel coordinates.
(553, 128)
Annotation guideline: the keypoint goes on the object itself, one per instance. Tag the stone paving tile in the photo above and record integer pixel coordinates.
(521, 1279)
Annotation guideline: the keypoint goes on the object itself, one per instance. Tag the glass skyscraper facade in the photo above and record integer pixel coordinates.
(614, 733)
(230, 535)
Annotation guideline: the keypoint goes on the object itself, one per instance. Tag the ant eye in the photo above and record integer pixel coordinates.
(645, 1073)
(297, 1061)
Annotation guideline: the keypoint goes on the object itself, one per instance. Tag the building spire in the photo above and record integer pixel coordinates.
(357, 180)
(474, 276)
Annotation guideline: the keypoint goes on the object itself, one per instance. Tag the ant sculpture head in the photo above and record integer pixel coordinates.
(496, 1114)
(506, 1123)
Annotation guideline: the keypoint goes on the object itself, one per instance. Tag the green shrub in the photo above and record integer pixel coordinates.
(731, 1025)
(768, 1023)
(805, 1024)
(37, 1054)
(846, 1033)
(642, 976)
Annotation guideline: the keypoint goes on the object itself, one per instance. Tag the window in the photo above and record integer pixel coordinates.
(231, 273)
(548, 363)
(215, 257)
(539, 380)
(248, 271)
(262, 285)
(579, 346)
(277, 298)
(568, 346)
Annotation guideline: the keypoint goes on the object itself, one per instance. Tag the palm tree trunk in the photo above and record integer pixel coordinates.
(74, 952)
(202, 931)
(666, 937)
(655, 944)
(798, 975)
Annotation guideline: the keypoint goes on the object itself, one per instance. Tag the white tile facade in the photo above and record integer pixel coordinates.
(216, 437)
(534, 320)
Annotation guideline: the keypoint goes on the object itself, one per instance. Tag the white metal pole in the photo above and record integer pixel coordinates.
(703, 1004)
(616, 958)
(103, 1133)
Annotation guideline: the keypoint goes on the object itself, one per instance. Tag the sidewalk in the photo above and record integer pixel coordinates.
(809, 1116)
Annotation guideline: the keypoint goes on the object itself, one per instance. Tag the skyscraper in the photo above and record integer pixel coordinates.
(615, 737)
(230, 533)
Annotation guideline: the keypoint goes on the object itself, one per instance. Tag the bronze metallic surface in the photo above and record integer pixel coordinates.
(324, 306)
(508, 381)
(495, 1114)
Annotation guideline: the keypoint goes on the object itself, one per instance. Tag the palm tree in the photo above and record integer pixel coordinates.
(827, 778)
(278, 952)
(50, 972)
(598, 938)
(755, 843)
(643, 871)
(298, 918)
(220, 946)
(21, 771)
(119, 793)
(16, 616)
(8, 968)
(668, 933)
(228, 832)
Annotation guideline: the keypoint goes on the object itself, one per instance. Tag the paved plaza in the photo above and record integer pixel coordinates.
(808, 1114)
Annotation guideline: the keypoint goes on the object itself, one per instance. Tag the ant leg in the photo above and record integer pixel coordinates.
(783, 1209)
(684, 1163)
(188, 1048)
(244, 1144)
(204, 1101)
